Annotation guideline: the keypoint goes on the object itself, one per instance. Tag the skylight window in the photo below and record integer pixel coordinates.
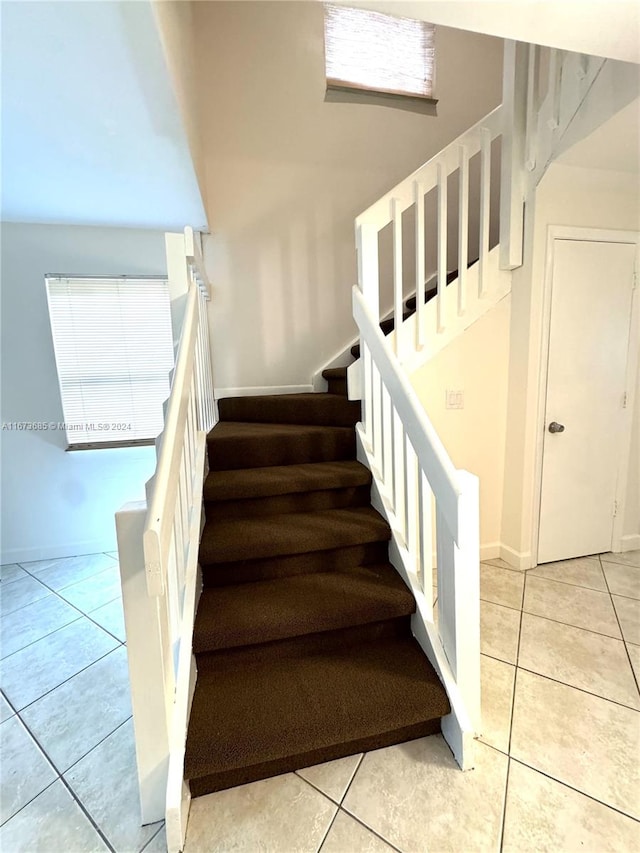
(379, 53)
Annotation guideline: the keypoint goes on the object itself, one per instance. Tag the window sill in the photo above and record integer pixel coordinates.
(338, 94)
(111, 445)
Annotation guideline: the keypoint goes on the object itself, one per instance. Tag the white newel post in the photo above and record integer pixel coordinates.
(459, 594)
(512, 178)
(146, 667)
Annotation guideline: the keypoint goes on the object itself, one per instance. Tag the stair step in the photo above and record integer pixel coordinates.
(319, 409)
(294, 606)
(231, 540)
(337, 379)
(259, 445)
(286, 489)
(284, 479)
(274, 717)
(333, 560)
(291, 503)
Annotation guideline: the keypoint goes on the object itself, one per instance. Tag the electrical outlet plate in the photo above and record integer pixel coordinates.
(454, 399)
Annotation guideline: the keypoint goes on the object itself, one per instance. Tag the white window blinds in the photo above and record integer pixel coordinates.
(368, 50)
(113, 347)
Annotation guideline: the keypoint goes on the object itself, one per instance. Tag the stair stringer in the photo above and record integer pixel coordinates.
(457, 728)
(453, 322)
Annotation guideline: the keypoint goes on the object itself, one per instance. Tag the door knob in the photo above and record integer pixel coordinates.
(556, 427)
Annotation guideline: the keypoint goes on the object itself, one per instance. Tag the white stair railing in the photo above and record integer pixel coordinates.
(413, 475)
(158, 548)
(414, 479)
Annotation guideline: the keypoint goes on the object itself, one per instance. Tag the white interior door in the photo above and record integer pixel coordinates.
(592, 285)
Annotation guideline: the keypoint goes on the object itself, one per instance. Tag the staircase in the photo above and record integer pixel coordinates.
(302, 637)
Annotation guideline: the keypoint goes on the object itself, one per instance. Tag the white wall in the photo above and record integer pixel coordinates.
(174, 19)
(91, 130)
(592, 198)
(599, 27)
(476, 363)
(57, 503)
(287, 172)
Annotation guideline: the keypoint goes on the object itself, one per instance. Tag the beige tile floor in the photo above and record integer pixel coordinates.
(557, 767)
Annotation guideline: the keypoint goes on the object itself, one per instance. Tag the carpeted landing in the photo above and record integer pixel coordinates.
(302, 636)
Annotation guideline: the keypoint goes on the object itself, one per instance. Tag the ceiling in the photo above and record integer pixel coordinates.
(91, 130)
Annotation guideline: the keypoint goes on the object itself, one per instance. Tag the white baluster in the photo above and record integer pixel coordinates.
(418, 195)
(532, 107)
(368, 267)
(377, 418)
(463, 228)
(387, 441)
(513, 153)
(442, 245)
(426, 538)
(485, 208)
(398, 308)
(399, 439)
(367, 399)
(411, 480)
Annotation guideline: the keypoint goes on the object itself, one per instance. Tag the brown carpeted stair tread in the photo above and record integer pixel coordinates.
(303, 604)
(303, 632)
(337, 380)
(284, 479)
(334, 560)
(228, 540)
(319, 409)
(258, 445)
(252, 722)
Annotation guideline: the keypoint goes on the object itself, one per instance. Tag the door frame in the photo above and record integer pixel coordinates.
(599, 235)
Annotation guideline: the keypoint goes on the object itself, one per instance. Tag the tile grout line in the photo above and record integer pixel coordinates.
(504, 807)
(77, 609)
(513, 705)
(153, 837)
(369, 829)
(624, 642)
(580, 689)
(570, 625)
(67, 680)
(342, 809)
(572, 788)
(355, 773)
(60, 778)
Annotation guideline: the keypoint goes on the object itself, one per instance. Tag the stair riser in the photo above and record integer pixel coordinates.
(338, 386)
(237, 452)
(296, 502)
(316, 409)
(247, 571)
(221, 781)
(303, 646)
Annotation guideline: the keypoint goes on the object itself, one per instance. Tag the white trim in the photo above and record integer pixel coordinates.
(490, 551)
(57, 552)
(266, 390)
(178, 797)
(601, 235)
(520, 560)
(457, 728)
(630, 542)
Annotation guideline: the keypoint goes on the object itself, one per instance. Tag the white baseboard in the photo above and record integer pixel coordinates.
(630, 542)
(260, 390)
(54, 552)
(520, 560)
(490, 551)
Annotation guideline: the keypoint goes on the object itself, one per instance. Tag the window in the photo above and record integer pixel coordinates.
(379, 53)
(114, 350)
